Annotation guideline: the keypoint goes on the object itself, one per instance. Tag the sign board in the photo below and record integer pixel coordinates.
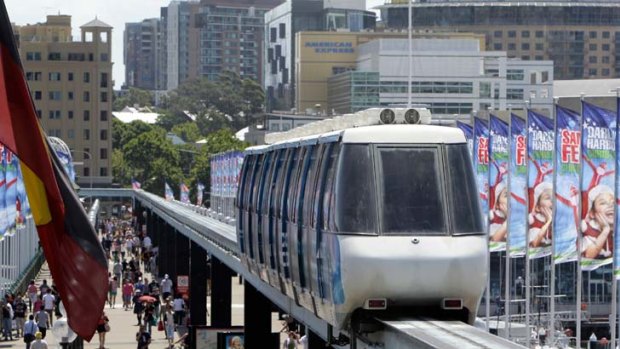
(183, 284)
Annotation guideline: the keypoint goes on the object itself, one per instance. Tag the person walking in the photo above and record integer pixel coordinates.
(103, 327)
(143, 338)
(112, 291)
(48, 305)
(39, 343)
(32, 295)
(138, 307)
(43, 321)
(19, 314)
(166, 287)
(178, 306)
(169, 324)
(7, 322)
(30, 329)
(127, 293)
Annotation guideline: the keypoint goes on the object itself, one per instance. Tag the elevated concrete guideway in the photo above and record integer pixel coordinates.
(220, 241)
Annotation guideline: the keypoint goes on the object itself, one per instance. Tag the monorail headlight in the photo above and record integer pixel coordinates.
(387, 116)
(412, 116)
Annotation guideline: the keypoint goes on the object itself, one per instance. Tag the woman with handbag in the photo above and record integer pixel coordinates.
(103, 326)
(169, 321)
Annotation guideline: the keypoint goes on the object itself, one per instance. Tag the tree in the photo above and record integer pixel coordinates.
(167, 120)
(123, 133)
(135, 96)
(188, 131)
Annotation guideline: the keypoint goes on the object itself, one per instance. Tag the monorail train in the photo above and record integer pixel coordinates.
(358, 220)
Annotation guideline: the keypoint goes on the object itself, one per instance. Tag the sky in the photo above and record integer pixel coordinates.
(113, 12)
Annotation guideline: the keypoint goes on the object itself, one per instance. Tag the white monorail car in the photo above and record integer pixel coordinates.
(382, 218)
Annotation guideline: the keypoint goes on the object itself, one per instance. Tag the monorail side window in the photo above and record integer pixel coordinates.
(412, 200)
(466, 216)
(292, 192)
(311, 183)
(355, 191)
(328, 194)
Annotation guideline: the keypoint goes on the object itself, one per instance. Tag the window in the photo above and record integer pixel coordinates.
(605, 59)
(76, 57)
(38, 95)
(104, 57)
(605, 71)
(70, 76)
(515, 74)
(104, 80)
(103, 153)
(53, 56)
(514, 94)
(498, 33)
(86, 115)
(103, 115)
(39, 113)
(525, 34)
(54, 76)
(462, 185)
(485, 90)
(70, 95)
(512, 34)
(525, 58)
(605, 47)
(606, 35)
(71, 133)
(593, 72)
(54, 95)
(282, 30)
(104, 97)
(540, 47)
(273, 34)
(512, 46)
(86, 96)
(593, 35)
(86, 77)
(103, 172)
(33, 56)
(86, 172)
(103, 135)
(86, 134)
(525, 46)
(412, 200)
(33, 76)
(497, 47)
(593, 47)
(70, 114)
(54, 114)
(593, 59)
(539, 58)
(355, 209)
(540, 34)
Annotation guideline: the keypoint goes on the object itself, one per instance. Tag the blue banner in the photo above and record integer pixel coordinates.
(3, 214)
(481, 163)
(540, 184)
(498, 184)
(616, 232)
(567, 198)
(199, 191)
(598, 144)
(169, 195)
(11, 192)
(67, 164)
(23, 205)
(469, 136)
(518, 187)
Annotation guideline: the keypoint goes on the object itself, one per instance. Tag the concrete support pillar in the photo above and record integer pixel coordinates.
(172, 258)
(164, 262)
(182, 254)
(221, 294)
(315, 342)
(198, 285)
(257, 319)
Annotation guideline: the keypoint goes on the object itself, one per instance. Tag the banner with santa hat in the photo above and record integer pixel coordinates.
(518, 187)
(481, 163)
(567, 199)
(616, 233)
(598, 148)
(498, 184)
(469, 136)
(540, 134)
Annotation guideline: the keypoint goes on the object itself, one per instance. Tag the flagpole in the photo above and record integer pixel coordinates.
(579, 273)
(614, 285)
(528, 285)
(410, 34)
(487, 294)
(508, 191)
(554, 212)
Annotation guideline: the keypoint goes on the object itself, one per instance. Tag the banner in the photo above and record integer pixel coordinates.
(567, 198)
(67, 163)
(169, 195)
(498, 184)
(617, 177)
(199, 192)
(4, 222)
(23, 206)
(481, 163)
(540, 184)
(10, 197)
(184, 193)
(598, 144)
(135, 185)
(518, 187)
(469, 136)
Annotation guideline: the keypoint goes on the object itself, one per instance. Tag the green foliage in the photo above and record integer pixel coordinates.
(188, 131)
(123, 133)
(135, 96)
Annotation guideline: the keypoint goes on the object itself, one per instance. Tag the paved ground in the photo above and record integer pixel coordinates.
(123, 324)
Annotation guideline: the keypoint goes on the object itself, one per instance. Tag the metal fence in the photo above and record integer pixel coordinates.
(20, 257)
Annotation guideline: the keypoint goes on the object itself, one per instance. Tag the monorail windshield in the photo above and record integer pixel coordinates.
(404, 189)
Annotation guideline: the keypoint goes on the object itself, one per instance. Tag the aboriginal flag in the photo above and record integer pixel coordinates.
(75, 256)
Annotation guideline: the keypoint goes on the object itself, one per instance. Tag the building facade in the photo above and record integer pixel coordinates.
(293, 16)
(450, 76)
(581, 37)
(71, 85)
(142, 45)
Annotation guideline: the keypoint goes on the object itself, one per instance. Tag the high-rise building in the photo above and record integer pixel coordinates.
(231, 36)
(141, 44)
(580, 37)
(293, 16)
(71, 85)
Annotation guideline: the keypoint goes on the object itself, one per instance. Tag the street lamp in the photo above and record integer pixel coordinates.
(90, 174)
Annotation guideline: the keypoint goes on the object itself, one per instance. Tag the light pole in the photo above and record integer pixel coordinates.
(90, 175)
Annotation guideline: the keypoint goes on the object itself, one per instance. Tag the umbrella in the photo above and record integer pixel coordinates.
(147, 299)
